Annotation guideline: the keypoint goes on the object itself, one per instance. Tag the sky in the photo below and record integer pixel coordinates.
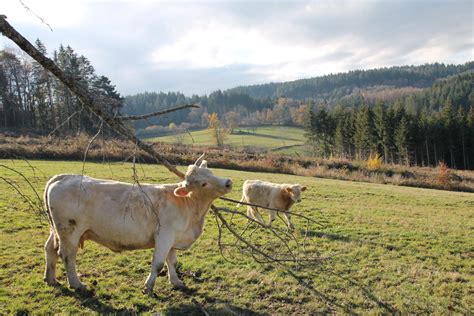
(197, 47)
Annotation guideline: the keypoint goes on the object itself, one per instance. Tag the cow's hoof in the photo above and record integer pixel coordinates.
(149, 293)
(51, 282)
(179, 285)
(79, 286)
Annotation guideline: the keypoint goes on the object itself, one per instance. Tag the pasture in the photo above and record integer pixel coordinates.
(389, 249)
(267, 137)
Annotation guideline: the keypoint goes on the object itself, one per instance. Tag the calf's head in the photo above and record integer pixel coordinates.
(295, 191)
(199, 180)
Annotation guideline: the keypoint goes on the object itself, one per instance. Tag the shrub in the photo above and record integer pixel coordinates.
(374, 162)
(443, 174)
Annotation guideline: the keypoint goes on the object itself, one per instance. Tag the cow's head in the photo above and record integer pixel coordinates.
(200, 180)
(295, 191)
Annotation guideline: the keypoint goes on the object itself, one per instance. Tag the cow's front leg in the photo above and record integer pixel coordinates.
(171, 261)
(288, 221)
(163, 243)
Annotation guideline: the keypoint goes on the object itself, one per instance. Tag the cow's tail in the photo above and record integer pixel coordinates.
(45, 197)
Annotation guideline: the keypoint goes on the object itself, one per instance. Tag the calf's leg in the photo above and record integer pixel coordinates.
(256, 215)
(249, 213)
(271, 217)
(288, 221)
(51, 254)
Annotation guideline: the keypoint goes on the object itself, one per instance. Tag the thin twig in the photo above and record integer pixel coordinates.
(66, 120)
(40, 18)
(271, 209)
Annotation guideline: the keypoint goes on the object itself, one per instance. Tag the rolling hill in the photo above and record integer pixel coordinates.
(266, 137)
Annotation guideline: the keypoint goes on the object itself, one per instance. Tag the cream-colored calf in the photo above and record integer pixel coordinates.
(122, 216)
(272, 195)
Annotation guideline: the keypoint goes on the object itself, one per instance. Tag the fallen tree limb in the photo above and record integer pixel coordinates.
(87, 97)
(93, 102)
(157, 113)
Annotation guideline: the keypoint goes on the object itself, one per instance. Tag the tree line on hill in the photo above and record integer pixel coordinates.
(33, 99)
(331, 88)
(388, 111)
(398, 134)
(285, 104)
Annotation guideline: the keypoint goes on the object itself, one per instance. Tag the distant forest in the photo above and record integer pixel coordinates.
(331, 88)
(32, 99)
(412, 114)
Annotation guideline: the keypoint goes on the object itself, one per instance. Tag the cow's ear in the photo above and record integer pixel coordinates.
(289, 189)
(181, 192)
(203, 164)
(303, 188)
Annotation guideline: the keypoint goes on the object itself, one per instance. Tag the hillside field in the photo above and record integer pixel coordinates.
(267, 137)
(389, 250)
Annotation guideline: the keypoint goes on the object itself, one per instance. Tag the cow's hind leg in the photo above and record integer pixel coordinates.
(256, 215)
(68, 246)
(51, 254)
(249, 213)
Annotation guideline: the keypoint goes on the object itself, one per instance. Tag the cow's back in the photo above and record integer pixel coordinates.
(115, 214)
(260, 192)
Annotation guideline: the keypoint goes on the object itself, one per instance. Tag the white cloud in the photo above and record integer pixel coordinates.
(218, 45)
(201, 46)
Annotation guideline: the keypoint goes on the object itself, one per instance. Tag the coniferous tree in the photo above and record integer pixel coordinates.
(449, 130)
(470, 137)
(381, 130)
(364, 133)
(401, 140)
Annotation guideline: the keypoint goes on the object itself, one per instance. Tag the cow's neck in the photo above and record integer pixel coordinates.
(201, 204)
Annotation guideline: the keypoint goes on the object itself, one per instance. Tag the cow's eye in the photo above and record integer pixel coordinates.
(204, 184)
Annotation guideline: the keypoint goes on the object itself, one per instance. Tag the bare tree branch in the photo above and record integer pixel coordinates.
(272, 209)
(88, 99)
(66, 120)
(157, 113)
(40, 18)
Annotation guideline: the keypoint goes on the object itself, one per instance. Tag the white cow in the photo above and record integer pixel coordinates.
(272, 195)
(122, 216)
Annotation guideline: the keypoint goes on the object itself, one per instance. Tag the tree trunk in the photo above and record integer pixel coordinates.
(427, 151)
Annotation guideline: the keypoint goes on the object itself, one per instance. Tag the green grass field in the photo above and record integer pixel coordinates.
(391, 249)
(268, 137)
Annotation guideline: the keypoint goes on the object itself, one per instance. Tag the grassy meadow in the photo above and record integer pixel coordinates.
(389, 249)
(268, 137)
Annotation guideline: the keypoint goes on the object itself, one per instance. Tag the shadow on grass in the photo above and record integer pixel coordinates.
(348, 306)
(266, 136)
(207, 306)
(90, 300)
(193, 309)
(335, 237)
(367, 292)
